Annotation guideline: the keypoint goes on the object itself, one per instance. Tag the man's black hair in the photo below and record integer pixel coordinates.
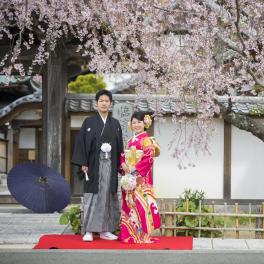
(103, 92)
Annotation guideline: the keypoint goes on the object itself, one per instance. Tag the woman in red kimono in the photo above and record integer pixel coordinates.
(139, 216)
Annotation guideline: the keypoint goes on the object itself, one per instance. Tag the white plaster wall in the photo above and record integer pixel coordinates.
(76, 121)
(27, 138)
(247, 167)
(29, 115)
(169, 181)
(2, 135)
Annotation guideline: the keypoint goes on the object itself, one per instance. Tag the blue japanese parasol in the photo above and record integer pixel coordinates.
(38, 187)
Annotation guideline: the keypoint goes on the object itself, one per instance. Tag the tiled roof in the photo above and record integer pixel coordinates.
(86, 103)
(31, 98)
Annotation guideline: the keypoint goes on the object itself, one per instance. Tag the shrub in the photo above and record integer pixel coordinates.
(74, 218)
(193, 198)
(88, 83)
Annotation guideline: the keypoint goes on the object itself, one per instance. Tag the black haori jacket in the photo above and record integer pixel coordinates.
(87, 149)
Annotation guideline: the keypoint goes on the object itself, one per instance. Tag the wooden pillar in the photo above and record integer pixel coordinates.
(54, 90)
(10, 149)
(16, 133)
(227, 160)
(68, 150)
(168, 220)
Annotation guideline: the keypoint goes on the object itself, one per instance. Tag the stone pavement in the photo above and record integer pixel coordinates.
(227, 244)
(21, 229)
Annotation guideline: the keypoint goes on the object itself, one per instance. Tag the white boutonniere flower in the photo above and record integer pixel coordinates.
(106, 147)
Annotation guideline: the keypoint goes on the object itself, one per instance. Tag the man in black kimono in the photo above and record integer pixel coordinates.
(97, 151)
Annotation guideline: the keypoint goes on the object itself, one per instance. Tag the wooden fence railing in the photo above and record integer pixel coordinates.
(173, 224)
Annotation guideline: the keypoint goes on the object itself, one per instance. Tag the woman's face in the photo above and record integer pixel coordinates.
(137, 125)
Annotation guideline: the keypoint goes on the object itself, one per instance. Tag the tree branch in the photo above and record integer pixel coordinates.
(237, 25)
(231, 45)
(218, 9)
(259, 82)
(253, 125)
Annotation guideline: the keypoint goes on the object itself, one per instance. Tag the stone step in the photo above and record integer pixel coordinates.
(4, 191)
(3, 180)
(3, 183)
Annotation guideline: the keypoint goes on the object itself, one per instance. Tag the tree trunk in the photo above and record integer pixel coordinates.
(54, 89)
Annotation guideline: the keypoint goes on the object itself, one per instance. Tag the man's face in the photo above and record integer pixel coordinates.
(103, 104)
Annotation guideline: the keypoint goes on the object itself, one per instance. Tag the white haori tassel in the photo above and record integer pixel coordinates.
(106, 148)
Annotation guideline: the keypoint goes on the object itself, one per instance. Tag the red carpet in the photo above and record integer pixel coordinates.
(75, 242)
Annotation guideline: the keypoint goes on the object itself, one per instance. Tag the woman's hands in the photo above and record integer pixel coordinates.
(140, 180)
(125, 168)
